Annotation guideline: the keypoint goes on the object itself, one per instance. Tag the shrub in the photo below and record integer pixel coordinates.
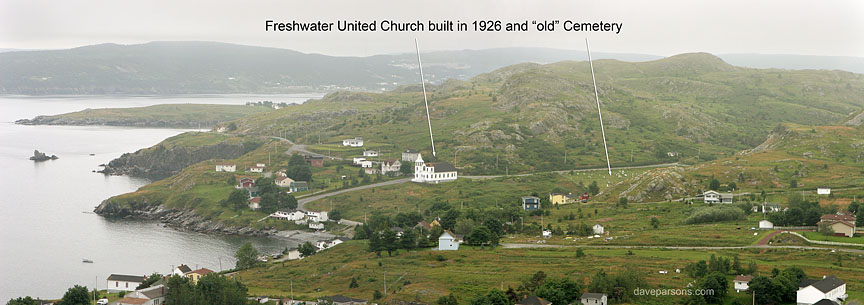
(715, 214)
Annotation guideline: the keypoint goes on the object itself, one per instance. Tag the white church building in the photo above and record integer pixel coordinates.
(433, 172)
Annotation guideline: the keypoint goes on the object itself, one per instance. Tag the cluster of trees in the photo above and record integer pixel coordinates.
(714, 214)
(210, 290)
(780, 287)
(562, 290)
(77, 295)
(800, 212)
(715, 185)
(711, 275)
(247, 256)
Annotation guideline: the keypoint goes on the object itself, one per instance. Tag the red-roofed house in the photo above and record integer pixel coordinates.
(843, 225)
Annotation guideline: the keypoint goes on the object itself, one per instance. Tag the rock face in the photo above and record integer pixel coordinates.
(40, 156)
(654, 185)
(179, 219)
(159, 162)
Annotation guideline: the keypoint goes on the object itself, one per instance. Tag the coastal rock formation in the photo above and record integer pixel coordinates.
(179, 219)
(40, 156)
(159, 162)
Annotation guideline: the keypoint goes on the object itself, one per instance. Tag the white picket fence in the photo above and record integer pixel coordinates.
(822, 242)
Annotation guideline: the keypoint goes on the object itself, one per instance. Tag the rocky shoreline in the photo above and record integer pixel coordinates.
(159, 162)
(178, 219)
(119, 122)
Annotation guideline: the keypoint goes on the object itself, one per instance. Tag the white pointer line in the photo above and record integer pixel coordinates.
(423, 82)
(597, 97)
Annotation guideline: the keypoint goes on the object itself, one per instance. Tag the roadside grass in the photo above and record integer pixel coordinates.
(858, 239)
(470, 272)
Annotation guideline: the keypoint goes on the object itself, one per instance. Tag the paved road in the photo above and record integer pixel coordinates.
(520, 246)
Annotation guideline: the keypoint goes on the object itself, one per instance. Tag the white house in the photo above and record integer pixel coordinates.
(355, 142)
(448, 241)
(410, 155)
(742, 282)
(829, 288)
(122, 282)
(433, 172)
(390, 166)
(366, 164)
(284, 181)
(317, 216)
(598, 229)
(357, 160)
(254, 203)
(765, 224)
(154, 295)
(823, 190)
(590, 298)
(768, 207)
(260, 165)
(256, 169)
(316, 226)
(288, 215)
(715, 197)
(226, 167)
(370, 153)
(181, 270)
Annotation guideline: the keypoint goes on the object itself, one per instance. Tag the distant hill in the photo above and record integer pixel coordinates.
(211, 67)
(796, 62)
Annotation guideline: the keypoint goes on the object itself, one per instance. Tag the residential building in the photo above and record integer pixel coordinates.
(317, 216)
(315, 161)
(130, 301)
(298, 186)
(390, 166)
(343, 300)
(226, 167)
(433, 172)
(255, 203)
(712, 197)
(370, 153)
(533, 300)
(590, 298)
(768, 207)
(828, 288)
(410, 155)
(598, 229)
(357, 160)
(154, 295)
(355, 142)
(260, 165)
(823, 190)
(245, 183)
(316, 226)
(843, 225)
(122, 282)
(256, 169)
(195, 275)
(284, 181)
(448, 241)
(181, 270)
(558, 198)
(288, 215)
(584, 197)
(530, 203)
(742, 282)
(765, 224)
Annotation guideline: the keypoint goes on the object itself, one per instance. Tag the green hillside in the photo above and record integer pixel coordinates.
(177, 116)
(527, 117)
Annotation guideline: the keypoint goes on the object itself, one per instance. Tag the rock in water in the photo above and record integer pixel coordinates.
(40, 156)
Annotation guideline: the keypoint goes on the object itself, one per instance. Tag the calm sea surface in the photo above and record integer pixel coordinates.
(46, 222)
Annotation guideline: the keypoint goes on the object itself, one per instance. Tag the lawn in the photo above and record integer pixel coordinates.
(858, 239)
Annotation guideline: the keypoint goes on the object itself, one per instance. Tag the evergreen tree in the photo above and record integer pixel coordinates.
(77, 295)
(247, 256)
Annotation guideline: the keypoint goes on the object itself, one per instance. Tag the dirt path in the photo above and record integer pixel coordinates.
(767, 238)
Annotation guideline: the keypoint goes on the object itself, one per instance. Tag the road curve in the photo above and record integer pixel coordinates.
(303, 201)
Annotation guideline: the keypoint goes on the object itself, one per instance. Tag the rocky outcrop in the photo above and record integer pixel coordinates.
(654, 185)
(178, 219)
(40, 156)
(159, 162)
(774, 139)
(856, 120)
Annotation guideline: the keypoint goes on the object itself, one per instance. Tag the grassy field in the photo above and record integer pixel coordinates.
(423, 275)
(819, 236)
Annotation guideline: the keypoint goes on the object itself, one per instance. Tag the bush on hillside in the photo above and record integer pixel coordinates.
(715, 214)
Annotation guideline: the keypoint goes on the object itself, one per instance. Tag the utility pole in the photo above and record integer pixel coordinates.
(496, 160)
(385, 283)
(631, 155)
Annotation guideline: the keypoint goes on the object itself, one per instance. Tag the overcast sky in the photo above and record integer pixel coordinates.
(668, 27)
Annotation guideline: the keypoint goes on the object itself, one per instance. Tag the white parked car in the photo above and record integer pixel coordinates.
(102, 302)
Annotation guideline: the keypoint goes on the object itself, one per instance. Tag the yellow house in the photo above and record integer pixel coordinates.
(197, 274)
(556, 198)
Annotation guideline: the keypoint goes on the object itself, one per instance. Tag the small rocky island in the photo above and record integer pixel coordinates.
(40, 156)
